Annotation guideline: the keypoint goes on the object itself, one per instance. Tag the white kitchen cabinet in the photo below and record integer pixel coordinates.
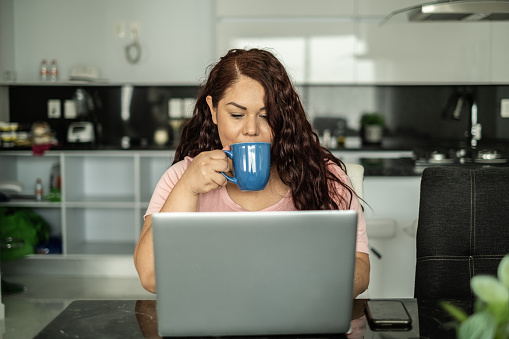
(104, 196)
(499, 52)
(283, 8)
(423, 53)
(87, 175)
(381, 8)
(176, 38)
(391, 210)
(323, 41)
(26, 169)
(312, 51)
(401, 52)
(340, 47)
(152, 165)
(392, 202)
(316, 43)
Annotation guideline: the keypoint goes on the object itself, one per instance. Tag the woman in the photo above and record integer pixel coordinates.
(249, 97)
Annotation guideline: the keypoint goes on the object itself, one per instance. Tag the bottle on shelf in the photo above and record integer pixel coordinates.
(43, 70)
(53, 71)
(38, 189)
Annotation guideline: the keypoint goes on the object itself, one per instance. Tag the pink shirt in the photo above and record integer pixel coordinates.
(220, 201)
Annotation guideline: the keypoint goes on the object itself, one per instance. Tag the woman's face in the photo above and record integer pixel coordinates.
(240, 115)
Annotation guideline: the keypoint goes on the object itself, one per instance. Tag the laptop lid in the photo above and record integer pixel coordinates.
(254, 273)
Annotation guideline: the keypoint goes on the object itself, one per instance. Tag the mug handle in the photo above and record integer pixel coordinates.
(230, 179)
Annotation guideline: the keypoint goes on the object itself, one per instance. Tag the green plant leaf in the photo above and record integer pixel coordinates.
(504, 330)
(503, 271)
(372, 119)
(500, 312)
(456, 312)
(478, 326)
(489, 289)
(479, 305)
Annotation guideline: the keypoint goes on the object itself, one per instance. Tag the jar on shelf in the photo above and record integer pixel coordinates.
(38, 189)
(43, 70)
(53, 71)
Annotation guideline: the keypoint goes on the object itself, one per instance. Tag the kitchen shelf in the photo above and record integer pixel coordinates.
(103, 248)
(33, 204)
(98, 83)
(102, 201)
(104, 196)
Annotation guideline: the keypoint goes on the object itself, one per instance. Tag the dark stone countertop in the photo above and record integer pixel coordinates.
(138, 319)
(373, 166)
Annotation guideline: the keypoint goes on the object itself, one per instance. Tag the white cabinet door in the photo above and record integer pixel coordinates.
(377, 8)
(392, 201)
(176, 38)
(312, 51)
(315, 42)
(500, 52)
(283, 8)
(423, 53)
(7, 61)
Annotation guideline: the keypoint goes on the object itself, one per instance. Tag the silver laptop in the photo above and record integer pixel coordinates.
(254, 273)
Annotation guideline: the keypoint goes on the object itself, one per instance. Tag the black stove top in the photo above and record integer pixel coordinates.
(459, 156)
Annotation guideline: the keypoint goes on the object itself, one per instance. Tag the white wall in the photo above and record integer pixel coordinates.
(176, 38)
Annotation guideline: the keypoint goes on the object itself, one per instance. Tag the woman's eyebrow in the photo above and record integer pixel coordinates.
(242, 107)
(237, 105)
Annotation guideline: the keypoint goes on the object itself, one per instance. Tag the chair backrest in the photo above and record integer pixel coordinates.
(463, 228)
(356, 174)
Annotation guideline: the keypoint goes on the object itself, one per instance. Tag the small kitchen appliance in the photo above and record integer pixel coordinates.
(81, 132)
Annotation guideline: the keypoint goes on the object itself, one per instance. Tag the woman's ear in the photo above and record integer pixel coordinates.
(213, 111)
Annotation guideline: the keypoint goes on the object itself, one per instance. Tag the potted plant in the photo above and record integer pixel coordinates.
(491, 311)
(372, 125)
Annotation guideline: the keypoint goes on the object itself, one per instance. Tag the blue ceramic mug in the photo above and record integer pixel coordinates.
(251, 165)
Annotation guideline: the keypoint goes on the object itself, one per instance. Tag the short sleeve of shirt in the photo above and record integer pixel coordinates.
(362, 235)
(166, 184)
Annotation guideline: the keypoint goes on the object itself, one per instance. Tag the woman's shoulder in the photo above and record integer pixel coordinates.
(182, 164)
(335, 168)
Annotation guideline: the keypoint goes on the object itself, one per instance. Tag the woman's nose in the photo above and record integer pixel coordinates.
(251, 126)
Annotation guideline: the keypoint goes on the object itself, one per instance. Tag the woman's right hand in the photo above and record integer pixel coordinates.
(204, 172)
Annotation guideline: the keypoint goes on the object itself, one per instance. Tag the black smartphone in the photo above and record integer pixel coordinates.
(387, 314)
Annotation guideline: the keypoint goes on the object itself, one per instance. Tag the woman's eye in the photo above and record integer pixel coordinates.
(264, 117)
(236, 116)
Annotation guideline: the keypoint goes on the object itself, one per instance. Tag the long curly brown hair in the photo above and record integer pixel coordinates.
(302, 163)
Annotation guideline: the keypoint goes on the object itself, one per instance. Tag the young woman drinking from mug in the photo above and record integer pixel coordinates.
(248, 97)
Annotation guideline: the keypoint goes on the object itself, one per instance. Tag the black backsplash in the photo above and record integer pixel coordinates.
(412, 112)
(148, 110)
(427, 111)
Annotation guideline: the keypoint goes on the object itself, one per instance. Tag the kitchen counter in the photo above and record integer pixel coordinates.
(376, 161)
(388, 167)
(90, 147)
(138, 319)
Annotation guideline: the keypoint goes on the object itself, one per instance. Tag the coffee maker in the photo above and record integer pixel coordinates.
(86, 129)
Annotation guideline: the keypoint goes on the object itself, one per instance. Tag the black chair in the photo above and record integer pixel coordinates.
(463, 229)
(10, 288)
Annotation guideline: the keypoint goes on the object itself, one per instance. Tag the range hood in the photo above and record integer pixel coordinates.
(457, 10)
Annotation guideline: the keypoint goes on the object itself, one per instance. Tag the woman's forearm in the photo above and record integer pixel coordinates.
(362, 268)
(144, 257)
(179, 200)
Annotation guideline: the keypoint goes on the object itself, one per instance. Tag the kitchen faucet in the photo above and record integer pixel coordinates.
(474, 127)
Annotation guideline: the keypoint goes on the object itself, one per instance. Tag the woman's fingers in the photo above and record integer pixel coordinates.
(204, 173)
